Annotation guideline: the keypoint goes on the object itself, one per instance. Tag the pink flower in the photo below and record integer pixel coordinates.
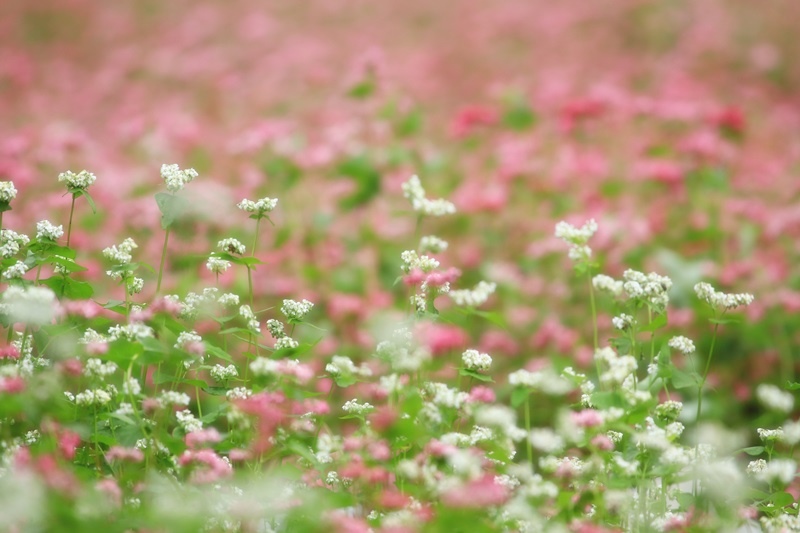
(481, 394)
(586, 418)
(9, 352)
(12, 385)
(483, 492)
(119, 453)
(195, 439)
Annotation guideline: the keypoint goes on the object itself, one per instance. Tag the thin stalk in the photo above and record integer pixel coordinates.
(594, 313)
(705, 374)
(528, 429)
(69, 225)
(163, 260)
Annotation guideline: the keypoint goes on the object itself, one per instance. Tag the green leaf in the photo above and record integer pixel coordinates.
(519, 117)
(367, 178)
(216, 391)
(89, 199)
(171, 207)
(67, 264)
(218, 352)
(604, 400)
(153, 345)
(792, 386)
(362, 89)
(781, 499)
(753, 450)
(684, 380)
(658, 322)
(475, 375)
(723, 321)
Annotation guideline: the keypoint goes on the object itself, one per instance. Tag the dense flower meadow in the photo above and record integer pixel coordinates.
(360, 266)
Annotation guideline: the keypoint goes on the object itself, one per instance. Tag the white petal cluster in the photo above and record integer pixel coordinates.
(721, 300)
(131, 332)
(15, 271)
(295, 311)
(474, 297)
(774, 398)
(401, 353)
(413, 191)
(29, 305)
(651, 288)
(286, 342)
(231, 246)
(545, 381)
(222, 373)
(171, 397)
(121, 254)
(250, 317)
(92, 397)
(7, 191)
(48, 231)
(623, 322)
(175, 178)
(217, 265)
(412, 260)
(96, 368)
(188, 422)
(776, 471)
(432, 244)
(275, 328)
(474, 360)
(442, 395)
(259, 207)
(618, 368)
(352, 406)
(601, 282)
(11, 242)
(682, 344)
(341, 365)
(81, 180)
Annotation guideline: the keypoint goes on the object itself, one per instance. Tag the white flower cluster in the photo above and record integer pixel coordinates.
(48, 231)
(413, 191)
(721, 300)
(577, 238)
(90, 397)
(131, 387)
(474, 297)
(250, 317)
(618, 367)
(651, 288)
(275, 328)
(444, 396)
(264, 205)
(121, 254)
(29, 305)
(171, 397)
(474, 360)
(601, 282)
(413, 261)
(774, 398)
(7, 191)
(131, 332)
(401, 352)
(545, 381)
(238, 393)
(217, 265)
(341, 365)
(623, 322)
(188, 422)
(295, 311)
(15, 271)
(286, 342)
(81, 180)
(228, 299)
(682, 344)
(352, 406)
(186, 337)
(11, 242)
(222, 373)
(175, 178)
(546, 440)
(781, 471)
(669, 410)
(261, 366)
(231, 246)
(432, 244)
(95, 367)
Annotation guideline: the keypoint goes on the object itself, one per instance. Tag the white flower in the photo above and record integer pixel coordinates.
(131, 332)
(231, 246)
(601, 282)
(623, 322)
(473, 297)
(721, 300)
(81, 180)
(778, 470)
(134, 285)
(296, 311)
(651, 288)
(15, 271)
(264, 205)
(222, 373)
(217, 265)
(121, 254)
(545, 380)
(188, 422)
(7, 191)
(774, 398)
(46, 230)
(167, 398)
(29, 305)
(175, 178)
(352, 406)
(432, 244)
(682, 344)
(252, 322)
(412, 260)
(275, 328)
(474, 360)
(413, 191)
(341, 365)
(228, 300)
(286, 342)
(96, 368)
(576, 236)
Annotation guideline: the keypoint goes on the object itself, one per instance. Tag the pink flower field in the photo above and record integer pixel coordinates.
(394, 267)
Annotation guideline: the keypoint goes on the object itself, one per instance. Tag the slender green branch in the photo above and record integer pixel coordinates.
(69, 225)
(163, 260)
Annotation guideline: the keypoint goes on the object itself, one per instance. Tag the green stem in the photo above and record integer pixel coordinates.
(69, 226)
(528, 430)
(705, 374)
(163, 260)
(594, 313)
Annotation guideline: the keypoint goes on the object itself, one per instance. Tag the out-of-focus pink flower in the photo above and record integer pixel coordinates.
(482, 492)
(470, 118)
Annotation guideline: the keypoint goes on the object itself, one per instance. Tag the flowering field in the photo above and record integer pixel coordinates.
(399, 266)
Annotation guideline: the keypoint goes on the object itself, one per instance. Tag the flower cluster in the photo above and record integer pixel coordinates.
(720, 300)
(175, 178)
(577, 238)
(45, 230)
(259, 207)
(75, 182)
(231, 246)
(474, 360)
(474, 297)
(296, 311)
(413, 191)
(7, 192)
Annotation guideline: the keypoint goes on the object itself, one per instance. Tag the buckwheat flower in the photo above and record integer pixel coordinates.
(134, 285)
(432, 244)
(80, 181)
(682, 344)
(791, 432)
(756, 467)
(774, 398)
(131, 387)
(238, 393)
(275, 328)
(413, 191)
(132, 332)
(252, 322)
(474, 297)
(223, 373)
(576, 236)
(669, 410)
(96, 368)
(413, 261)
(121, 254)
(341, 365)
(15, 271)
(45, 230)
(7, 192)
(352, 406)
(188, 422)
(296, 311)
(601, 282)
(623, 322)
(781, 471)
(175, 178)
(217, 265)
(228, 300)
(444, 396)
(92, 397)
(618, 367)
(721, 300)
(651, 288)
(169, 398)
(767, 435)
(286, 342)
(29, 305)
(546, 440)
(258, 208)
(231, 246)
(474, 360)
